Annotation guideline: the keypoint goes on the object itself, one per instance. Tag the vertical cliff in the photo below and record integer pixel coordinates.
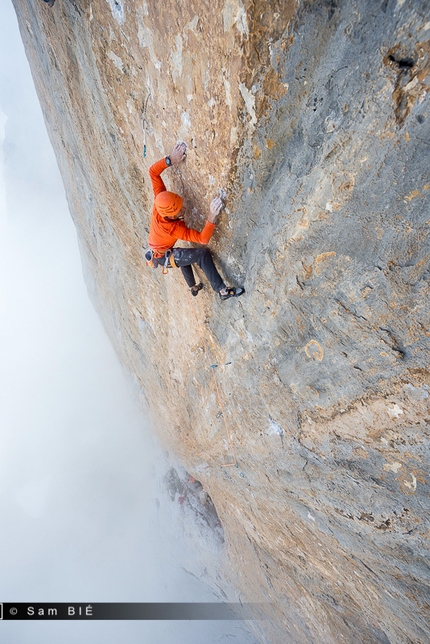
(302, 407)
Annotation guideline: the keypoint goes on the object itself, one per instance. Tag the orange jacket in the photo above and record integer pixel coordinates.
(163, 234)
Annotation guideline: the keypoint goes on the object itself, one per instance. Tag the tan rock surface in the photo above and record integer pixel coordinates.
(311, 434)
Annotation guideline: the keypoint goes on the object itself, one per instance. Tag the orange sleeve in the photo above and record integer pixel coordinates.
(154, 172)
(191, 235)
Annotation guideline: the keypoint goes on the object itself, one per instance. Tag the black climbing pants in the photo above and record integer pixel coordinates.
(185, 257)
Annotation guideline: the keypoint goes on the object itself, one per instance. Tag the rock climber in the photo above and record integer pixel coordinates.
(167, 226)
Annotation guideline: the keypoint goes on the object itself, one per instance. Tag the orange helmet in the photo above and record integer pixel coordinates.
(168, 204)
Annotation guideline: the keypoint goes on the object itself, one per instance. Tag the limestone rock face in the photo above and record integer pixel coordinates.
(302, 407)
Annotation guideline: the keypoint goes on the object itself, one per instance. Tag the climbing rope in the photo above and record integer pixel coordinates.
(145, 123)
(218, 394)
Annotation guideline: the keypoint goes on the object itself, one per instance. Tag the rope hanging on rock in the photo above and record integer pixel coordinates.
(145, 124)
(218, 394)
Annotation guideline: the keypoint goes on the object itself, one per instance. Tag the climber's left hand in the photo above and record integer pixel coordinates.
(179, 153)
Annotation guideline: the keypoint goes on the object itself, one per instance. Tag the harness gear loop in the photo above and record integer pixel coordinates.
(171, 257)
(165, 264)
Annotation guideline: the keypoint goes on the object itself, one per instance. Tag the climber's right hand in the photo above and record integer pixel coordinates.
(215, 209)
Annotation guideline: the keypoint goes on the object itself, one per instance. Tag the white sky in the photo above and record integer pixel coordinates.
(82, 518)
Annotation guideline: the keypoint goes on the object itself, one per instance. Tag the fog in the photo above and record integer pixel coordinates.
(85, 516)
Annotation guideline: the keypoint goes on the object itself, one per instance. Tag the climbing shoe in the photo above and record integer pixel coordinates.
(195, 289)
(232, 292)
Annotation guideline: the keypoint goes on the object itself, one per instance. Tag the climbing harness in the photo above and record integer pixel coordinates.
(166, 261)
(145, 124)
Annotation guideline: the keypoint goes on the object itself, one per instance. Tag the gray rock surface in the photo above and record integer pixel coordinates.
(311, 434)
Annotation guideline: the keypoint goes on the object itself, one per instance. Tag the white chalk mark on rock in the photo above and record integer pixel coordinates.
(274, 428)
(392, 467)
(249, 100)
(176, 57)
(145, 41)
(192, 24)
(412, 485)
(185, 118)
(395, 411)
(116, 61)
(117, 9)
(227, 92)
(234, 13)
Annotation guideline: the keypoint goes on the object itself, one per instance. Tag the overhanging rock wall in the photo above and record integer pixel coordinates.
(311, 436)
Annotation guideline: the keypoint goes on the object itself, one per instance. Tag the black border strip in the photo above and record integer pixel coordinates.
(130, 611)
